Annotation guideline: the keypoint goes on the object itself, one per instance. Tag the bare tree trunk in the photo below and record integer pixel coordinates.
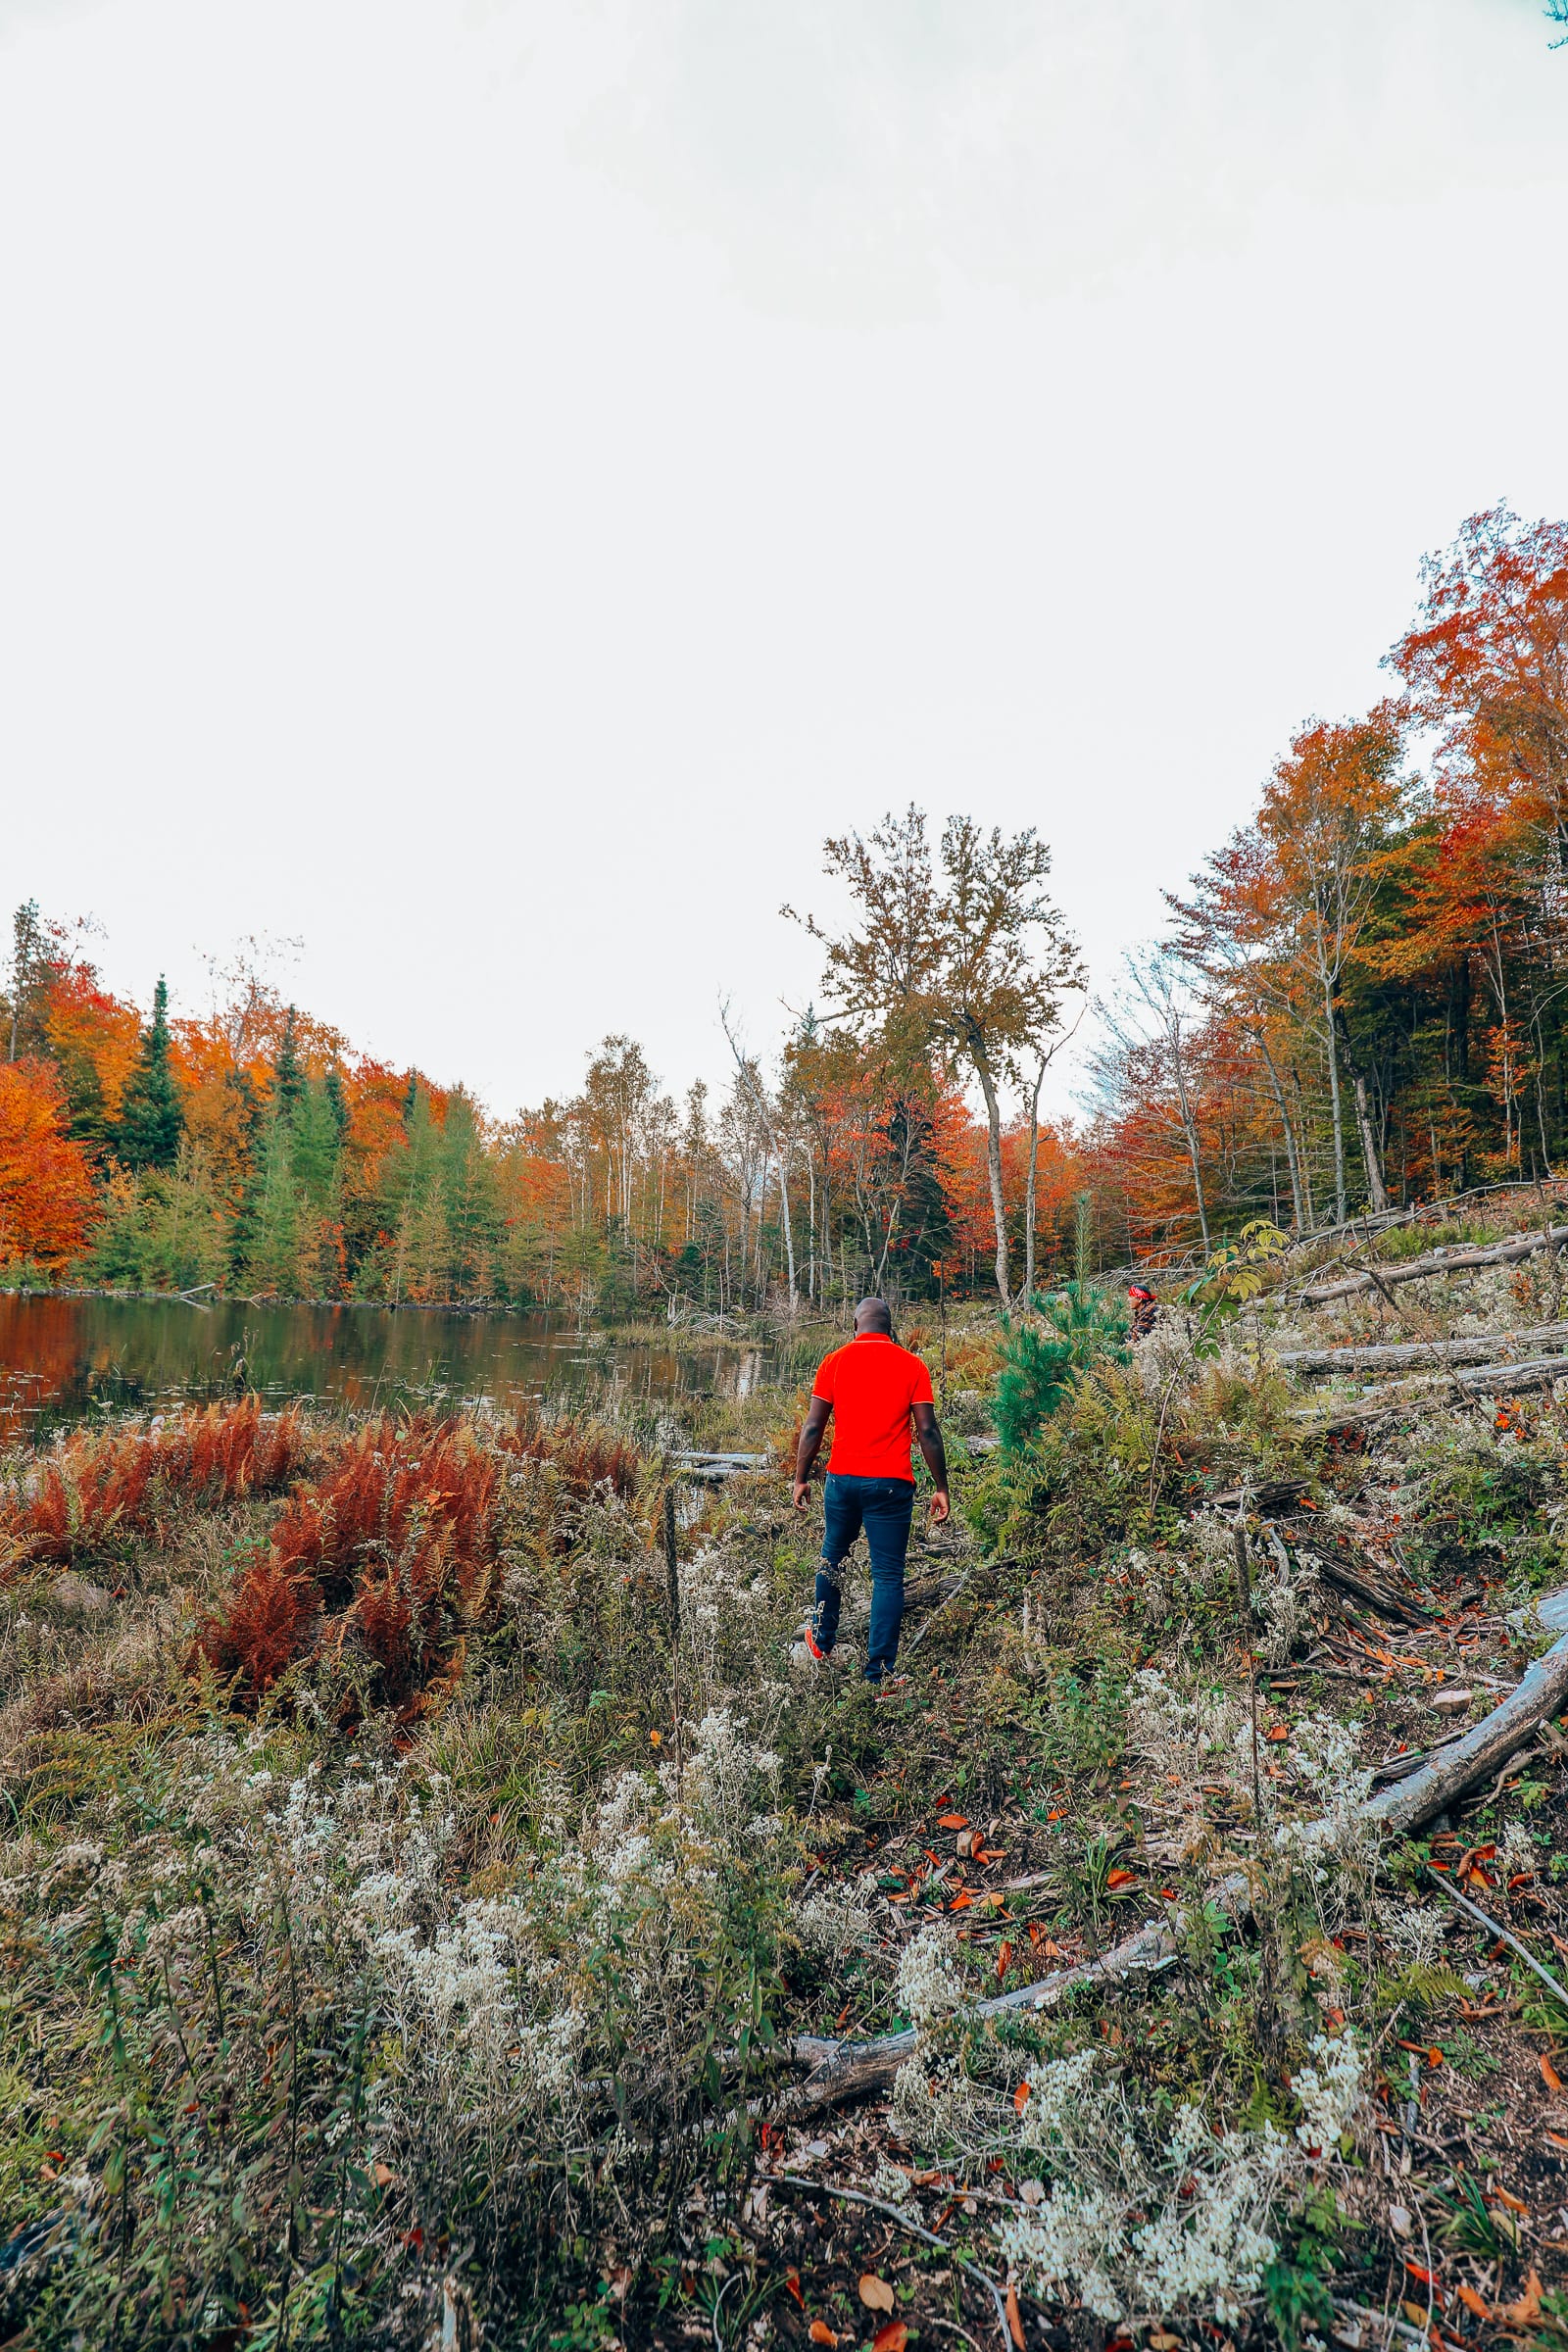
(1376, 1192)
(1297, 1205)
(789, 1230)
(1029, 1188)
(811, 1211)
(1190, 1129)
(1340, 1214)
(994, 1165)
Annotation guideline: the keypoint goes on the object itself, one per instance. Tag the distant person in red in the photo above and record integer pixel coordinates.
(1144, 1305)
(874, 1389)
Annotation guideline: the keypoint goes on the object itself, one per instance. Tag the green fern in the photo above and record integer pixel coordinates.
(1426, 1985)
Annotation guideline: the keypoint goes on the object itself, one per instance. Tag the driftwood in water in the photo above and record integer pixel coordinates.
(847, 2069)
(1441, 1261)
(1483, 1349)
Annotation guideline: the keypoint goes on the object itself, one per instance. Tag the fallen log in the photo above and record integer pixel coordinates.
(1386, 1602)
(1481, 1348)
(1270, 1495)
(1440, 1262)
(1534, 1701)
(847, 2069)
(1486, 1380)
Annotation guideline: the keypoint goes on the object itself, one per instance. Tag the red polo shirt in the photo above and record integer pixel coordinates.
(872, 1385)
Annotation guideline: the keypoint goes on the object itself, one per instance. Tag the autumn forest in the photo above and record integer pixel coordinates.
(1357, 1002)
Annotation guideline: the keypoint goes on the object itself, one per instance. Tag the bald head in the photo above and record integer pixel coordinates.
(874, 1314)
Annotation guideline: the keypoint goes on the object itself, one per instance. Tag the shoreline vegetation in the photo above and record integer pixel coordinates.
(434, 1905)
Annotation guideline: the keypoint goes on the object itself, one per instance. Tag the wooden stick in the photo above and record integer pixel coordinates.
(944, 2246)
(1495, 1928)
(1377, 1596)
(1536, 1700)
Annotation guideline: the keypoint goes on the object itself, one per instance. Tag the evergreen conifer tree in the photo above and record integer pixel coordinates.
(271, 1259)
(29, 970)
(151, 1121)
(287, 1077)
(315, 1137)
(243, 1225)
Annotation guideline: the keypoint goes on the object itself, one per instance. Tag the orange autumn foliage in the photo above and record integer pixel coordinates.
(102, 1488)
(87, 1027)
(390, 1556)
(46, 1194)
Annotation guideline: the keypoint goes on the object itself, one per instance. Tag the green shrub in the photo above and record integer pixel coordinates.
(1078, 1328)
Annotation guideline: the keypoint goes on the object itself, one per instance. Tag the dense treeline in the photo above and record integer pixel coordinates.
(1360, 1000)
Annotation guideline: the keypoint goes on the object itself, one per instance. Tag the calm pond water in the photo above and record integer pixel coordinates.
(63, 1358)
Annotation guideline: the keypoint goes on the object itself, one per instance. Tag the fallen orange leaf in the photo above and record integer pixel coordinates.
(1558, 2140)
(952, 1821)
(1014, 2322)
(821, 2333)
(1549, 2072)
(1021, 2100)
(1471, 2302)
(1121, 1878)
(1526, 2311)
(875, 2293)
(1502, 2197)
(791, 2284)
(1278, 1730)
(892, 2336)
(962, 1901)
(1004, 1960)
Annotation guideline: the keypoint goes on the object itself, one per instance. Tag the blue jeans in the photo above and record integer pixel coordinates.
(884, 1507)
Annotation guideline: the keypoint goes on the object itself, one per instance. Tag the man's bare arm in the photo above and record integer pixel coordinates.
(810, 1446)
(929, 1439)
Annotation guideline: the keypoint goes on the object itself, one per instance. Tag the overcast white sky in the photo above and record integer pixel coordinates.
(485, 485)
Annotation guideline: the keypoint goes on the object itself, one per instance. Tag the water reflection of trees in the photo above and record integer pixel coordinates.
(62, 1358)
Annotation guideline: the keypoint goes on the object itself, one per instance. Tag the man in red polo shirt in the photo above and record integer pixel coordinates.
(873, 1389)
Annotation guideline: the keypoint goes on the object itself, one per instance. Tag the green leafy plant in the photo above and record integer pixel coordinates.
(1473, 2226)
(1236, 1273)
(1296, 2284)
